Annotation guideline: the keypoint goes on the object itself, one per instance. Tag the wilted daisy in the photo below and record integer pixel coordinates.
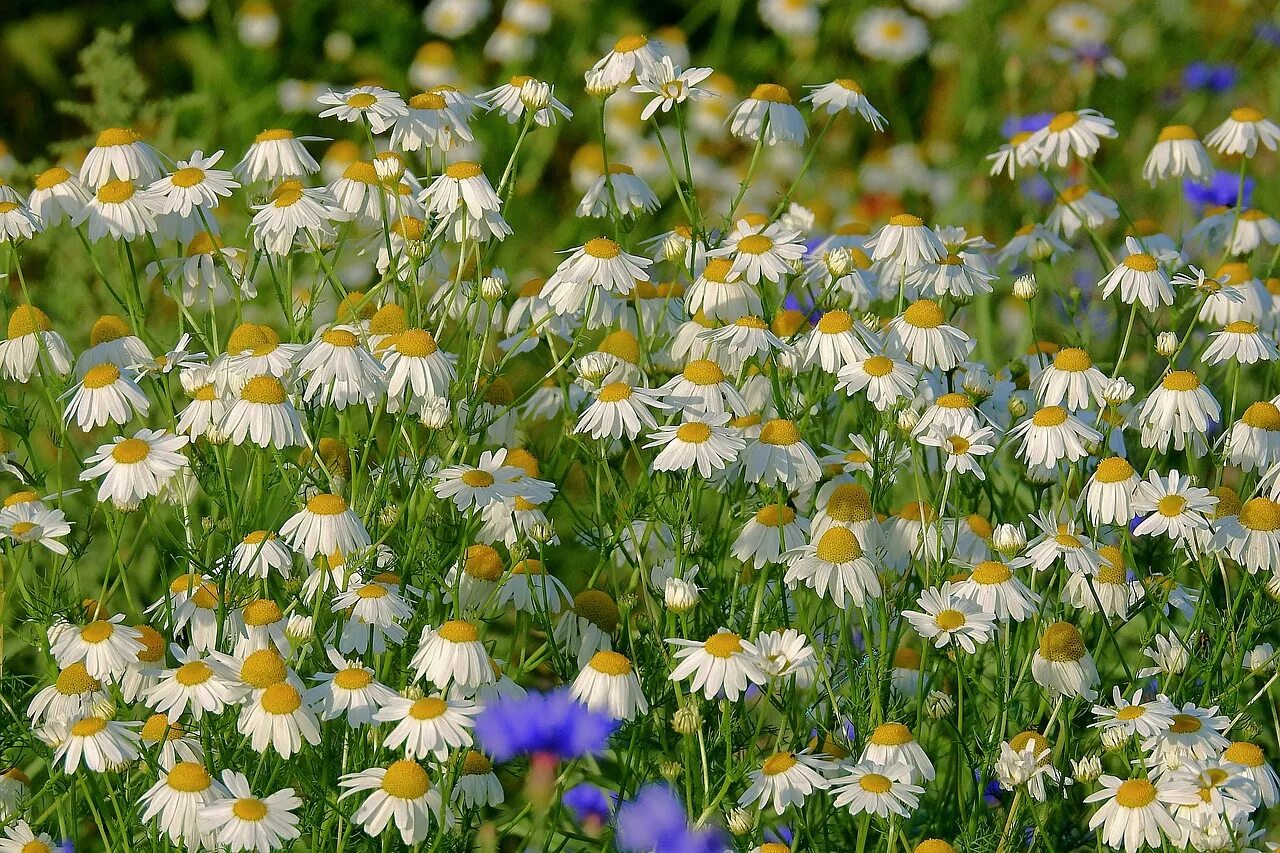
(1062, 665)
(1242, 342)
(401, 792)
(1252, 764)
(907, 241)
(242, 821)
(479, 785)
(335, 370)
(871, 788)
(1242, 131)
(947, 617)
(724, 662)
(768, 116)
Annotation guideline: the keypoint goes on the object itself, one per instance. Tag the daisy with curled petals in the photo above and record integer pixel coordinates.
(1252, 537)
(619, 190)
(262, 414)
(57, 196)
(294, 214)
(702, 388)
(416, 368)
(1078, 132)
(923, 335)
(1178, 152)
(779, 454)
(946, 618)
(1034, 242)
(1178, 412)
(619, 410)
(1242, 131)
(834, 566)
(72, 694)
(632, 56)
(1013, 156)
(1195, 733)
(400, 792)
(994, 587)
(98, 743)
(767, 115)
(243, 822)
(608, 685)
(1062, 665)
(465, 203)
(119, 153)
(32, 522)
(1173, 506)
(136, 468)
(598, 268)
(668, 87)
(1080, 207)
(172, 804)
(276, 717)
(350, 691)
(1135, 812)
(1110, 491)
(768, 251)
(833, 343)
(1240, 341)
(261, 553)
(30, 338)
(104, 395)
(1053, 435)
(1071, 379)
(430, 726)
(785, 779)
(745, 338)
(884, 379)
(906, 240)
(702, 441)
(723, 663)
(775, 528)
(379, 107)
(1130, 717)
(786, 654)
(325, 525)
(429, 123)
(335, 370)
(883, 790)
(949, 276)
(112, 343)
(961, 449)
(720, 294)
(844, 95)
(17, 222)
(276, 154)
(1139, 279)
(1253, 442)
(452, 654)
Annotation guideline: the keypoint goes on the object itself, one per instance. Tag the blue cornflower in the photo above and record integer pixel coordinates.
(655, 820)
(1014, 125)
(1221, 190)
(589, 804)
(1209, 77)
(542, 723)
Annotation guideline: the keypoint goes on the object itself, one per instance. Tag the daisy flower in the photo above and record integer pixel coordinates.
(1242, 342)
(1079, 207)
(325, 525)
(19, 838)
(1136, 812)
(1052, 435)
(194, 188)
(294, 214)
(620, 190)
(57, 196)
(1252, 762)
(885, 380)
(1071, 378)
(1110, 491)
(520, 94)
(608, 685)
(33, 522)
(946, 617)
(277, 717)
(994, 587)
(890, 34)
(780, 455)
(669, 87)
(773, 530)
(1132, 717)
(845, 95)
(833, 343)
(597, 269)
(429, 123)
(1254, 441)
(452, 654)
(119, 210)
(173, 803)
(619, 410)
(106, 647)
(338, 371)
(478, 785)
(1062, 665)
(869, 787)
(1242, 131)
(834, 566)
(119, 153)
(1178, 412)
(401, 792)
(765, 252)
(786, 779)
(242, 822)
(100, 744)
(961, 450)
(923, 335)
(262, 414)
(1173, 506)
(135, 468)
(1178, 152)
(1078, 132)
(379, 107)
(703, 388)
(1139, 279)
(724, 662)
(702, 441)
(1252, 537)
(276, 154)
(632, 56)
(905, 239)
(104, 395)
(464, 201)
(768, 116)
(430, 726)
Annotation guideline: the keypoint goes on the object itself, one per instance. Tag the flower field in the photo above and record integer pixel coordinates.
(523, 425)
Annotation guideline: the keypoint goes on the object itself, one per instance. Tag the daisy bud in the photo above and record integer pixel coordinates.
(412, 691)
(1025, 288)
(104, 708)
(207, 524)
(417, 250)
(938, 705)
(1009, 539)
(1113, 739)
(977, 382)
(1017, 407)
(673, 247)
(492, 288)
(1166, 344)
(388, 167)
(535, 95)
(597, 88)
(299, 629)
(907, 419)
(838, 262)
(1261, 659)
(686, 721)
(1086, 769)
(1118, 391)
(680, 596)
(542, 532)
(670, 770)
(389, 515)
(872, 320)
(435, 413)
(740, 821)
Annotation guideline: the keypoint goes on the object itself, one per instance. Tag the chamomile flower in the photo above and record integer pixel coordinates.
(845, 95)
(1173, 506)
(1178, 153)
(872, 788)
(1254, 441)
(478, 785)
(452, 654)
(620, 191)
(1242, 131)
(907, 241)
(774, 529)
(1110, 491)
(1079, 207)
(608, 685)
(429, 123)
(669, 87)
(946, 617)
(120, 154)
(263, 415)
(295, 215)
(335, 370)
(779, 454)
(1252, 764)
(761, 251)
(135, 468)
(100, 744)
(834, 566)
(58, 196)
(723, 663)
(1252, 537)
(373, 104)
(275, 155)
(401, 792)
(31, 522)
(703, 388)
(595, 271)
(833, 343)
(242, 821)
(1133, 716)
(173, 803)
(718, 293)
(768, 115)
(619, 410)
(1053, 435)
(632, 56)
(1062, 665)
(325, 525)
(1071, 379)
(106, 647)
(119, 210)
(191, 193)
(465, 203)
(510, 100)
(785, 779)
(430, 726)
(197, 685)
(19, 838)
(928, 341)
(1139, 279)
(1242, 342)
(960, 450)
(884, 379)
(1135, 812)
(1078, 132)
(994, 587)
(1178, 412)
(276, 717)
(104, 395)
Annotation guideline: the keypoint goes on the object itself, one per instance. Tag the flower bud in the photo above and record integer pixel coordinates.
(740, 821)
(838, 262)
(670, 770)
(1025, 287)
(535, 95)
(435, 413)
(1118, 391)
(299, 629)
(1166, 344)
(978, 383)
(492, 288)
(1261, 659)
(680, 596)
(1008, 540)
(686, 721)
(1017, 406)
(907, 419)
(674, 247)
(1113, 739)
(1086, 769)
(938, 705)
(389, 515)
(417, 250)
(542, 532)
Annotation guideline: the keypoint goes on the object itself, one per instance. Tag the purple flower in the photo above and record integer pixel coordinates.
(589, 804)
(546, 723)
(1209, 77)
(1038, 190)
(1221, 191)
(655, 820)
(1014, 125)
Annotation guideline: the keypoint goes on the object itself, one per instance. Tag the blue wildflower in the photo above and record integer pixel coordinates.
(543, 723)
(655, 820)
(1209, 77)
(1014, 125)
(1220, 191)
(589, 804)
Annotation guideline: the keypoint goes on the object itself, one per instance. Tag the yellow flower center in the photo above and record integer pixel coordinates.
(457, 631)
(1247, 114)
(1171, 506)
(88, 726)
(193, 673)
(101, 376)
(26, 320)
(777, 763)
(263, 668)
(875, 783)
(249, 809)
(130, 451)
(114, 136)
(477, 479)
(754, 244)
(780, 433)
(693, 433)
(1177, 132)
(924, 314)
(838, 545)
(990, 572)
(775, 515)
(610, 663)
(1113, 470)
(723, 645)
(602, 248)
(836, 322)
(361, 100)
(615, 392)
(189, 777)
(1245, 754)
(771, 92)
(265, 390)
(891, 734)
(877, 365)
(1261, 515)
(629, 44)
(1062, 643)
(1262, 415)
(849, 502)
(949, 619)
(906, 220)
(50, 178)
(116, 192)
(703, 372)
(281, 699)
(405, 780)
(95, 632)
(1050, 416)
(325, 504)
(1072, 360)
(1063, 121)
(428, 708)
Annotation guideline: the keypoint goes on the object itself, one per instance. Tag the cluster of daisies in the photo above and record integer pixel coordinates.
(734, 535)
